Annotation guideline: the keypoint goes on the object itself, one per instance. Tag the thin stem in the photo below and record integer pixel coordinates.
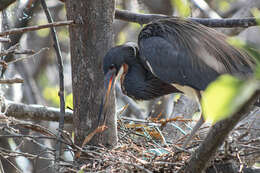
(61, 79)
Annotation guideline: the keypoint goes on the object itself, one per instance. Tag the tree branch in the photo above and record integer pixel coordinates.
(61, 78)
(215, 139)
(146, 18)
(35, 112)
(4, 39)
(37, 27)
(11, 81)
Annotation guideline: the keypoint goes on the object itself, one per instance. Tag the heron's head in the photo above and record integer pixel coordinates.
(119, 55)
(115, 58)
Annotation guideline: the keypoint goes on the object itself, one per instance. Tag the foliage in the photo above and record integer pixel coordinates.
(227, 94)
(51, 95)
(183, 7)
(69, 100)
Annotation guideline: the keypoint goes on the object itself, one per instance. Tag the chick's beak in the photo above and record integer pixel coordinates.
(108, 84)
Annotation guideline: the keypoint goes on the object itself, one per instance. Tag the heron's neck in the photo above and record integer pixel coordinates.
(132, 58)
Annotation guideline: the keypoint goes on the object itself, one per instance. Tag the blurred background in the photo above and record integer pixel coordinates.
(41, 73)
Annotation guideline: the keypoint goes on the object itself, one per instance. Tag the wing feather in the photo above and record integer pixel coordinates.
(187, 53)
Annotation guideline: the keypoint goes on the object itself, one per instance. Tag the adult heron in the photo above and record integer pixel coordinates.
(174, 55)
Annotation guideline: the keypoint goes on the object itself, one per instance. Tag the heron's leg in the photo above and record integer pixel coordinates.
(193, 132)
(197, 96)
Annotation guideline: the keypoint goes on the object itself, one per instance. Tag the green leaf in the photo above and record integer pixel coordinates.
(69, 100)
(257, 72)
(225, 96)
(224, 5)
(183, 7)
(256, 14)
(121, 38)
(255, 53)
(51, 95)
(236, 41)
(81, 171)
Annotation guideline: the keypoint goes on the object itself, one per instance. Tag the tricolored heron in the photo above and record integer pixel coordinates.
(174, 55)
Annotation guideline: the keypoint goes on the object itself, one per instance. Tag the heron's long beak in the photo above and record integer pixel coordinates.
(108, 83)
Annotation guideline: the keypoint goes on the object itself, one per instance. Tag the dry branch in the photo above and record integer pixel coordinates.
(146, 18)
(37, 27)
(4, 39)
(35, 112)
(11, 81)
(15, 49)
(215, 138)
(28, 57)
(128, 137)
(56, 46)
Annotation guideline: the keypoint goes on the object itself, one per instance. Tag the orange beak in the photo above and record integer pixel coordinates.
(108, 82)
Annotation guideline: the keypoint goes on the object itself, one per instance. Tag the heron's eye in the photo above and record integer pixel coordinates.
(112, 66)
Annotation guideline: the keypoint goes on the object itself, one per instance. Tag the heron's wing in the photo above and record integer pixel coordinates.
(186, 53)
(174, 66)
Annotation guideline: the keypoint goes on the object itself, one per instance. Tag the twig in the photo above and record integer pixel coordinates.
(146, 18)
(4, 39)
(142, 169)
(61, 78)
(11, 163)
(1, 167)
(215, 138)
(16, 153)
(28, 57)
(16, 50)
(35, 112)
(27, 136)
(37, 27)
(5, 64)
(11, 81)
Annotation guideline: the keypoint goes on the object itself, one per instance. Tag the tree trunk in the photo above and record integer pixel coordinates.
(90, 39)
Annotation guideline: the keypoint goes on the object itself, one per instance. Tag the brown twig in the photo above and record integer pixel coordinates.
(37, 27)
(15, 49)
(99, 129)
(11, 81)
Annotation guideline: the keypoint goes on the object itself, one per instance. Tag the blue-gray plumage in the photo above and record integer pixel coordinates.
(139, 83)
(175, 51)
(175, 55)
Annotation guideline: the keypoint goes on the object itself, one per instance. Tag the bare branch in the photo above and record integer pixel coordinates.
(28, 57)
(35, 112)
(15, 49)
(61, 78)
(146, 18)
(215, 139)
(37, 27)
(4, 39)
(11, 81)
